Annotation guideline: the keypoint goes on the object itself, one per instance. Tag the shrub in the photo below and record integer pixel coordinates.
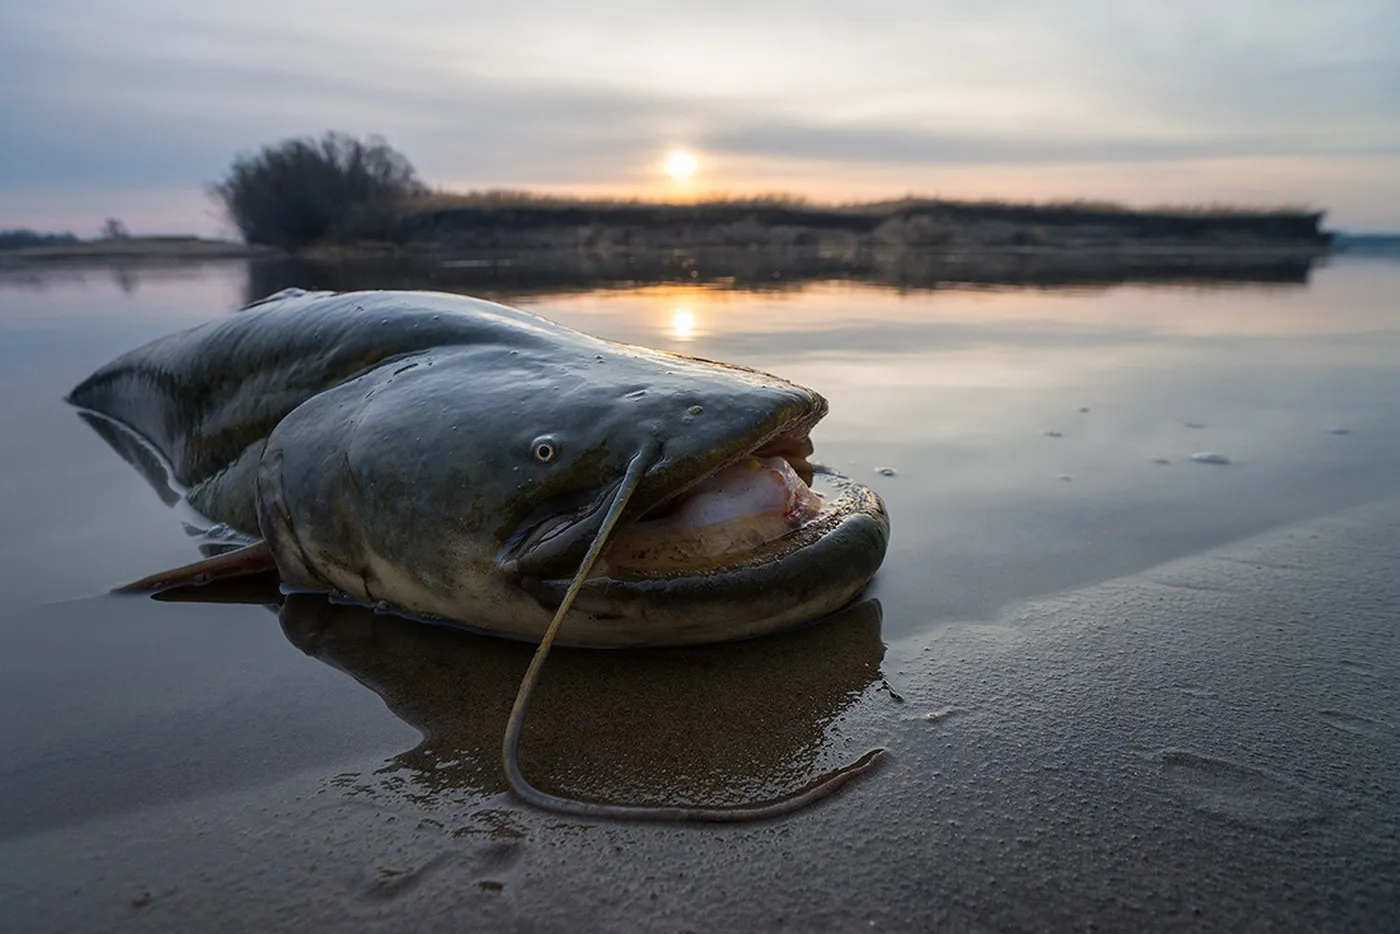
(299, 191)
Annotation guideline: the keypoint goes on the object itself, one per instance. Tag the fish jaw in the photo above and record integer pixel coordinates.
(813, 570)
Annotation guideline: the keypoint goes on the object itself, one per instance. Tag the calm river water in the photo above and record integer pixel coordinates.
(1120, 685)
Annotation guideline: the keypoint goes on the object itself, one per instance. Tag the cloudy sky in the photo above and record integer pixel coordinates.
(128, 108)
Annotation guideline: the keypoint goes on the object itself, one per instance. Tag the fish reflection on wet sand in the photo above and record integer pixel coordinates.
(714, 726)
(473, 464)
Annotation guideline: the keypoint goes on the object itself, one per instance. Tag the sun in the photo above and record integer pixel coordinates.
(680, 165)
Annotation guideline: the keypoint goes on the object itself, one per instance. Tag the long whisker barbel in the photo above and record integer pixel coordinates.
(817, 790)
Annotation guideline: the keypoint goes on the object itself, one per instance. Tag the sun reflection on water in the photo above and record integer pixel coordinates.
(682, 324)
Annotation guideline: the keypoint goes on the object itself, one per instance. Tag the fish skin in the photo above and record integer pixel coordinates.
(382, 443)
(202, 418)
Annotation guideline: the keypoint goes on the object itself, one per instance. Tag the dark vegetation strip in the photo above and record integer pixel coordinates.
(339, 189)
(1184, 223)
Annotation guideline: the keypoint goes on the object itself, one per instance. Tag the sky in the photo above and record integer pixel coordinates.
(128, 109)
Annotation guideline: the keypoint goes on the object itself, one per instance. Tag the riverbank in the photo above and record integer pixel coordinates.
(486, 222)
(959, 233)
(1138, 754)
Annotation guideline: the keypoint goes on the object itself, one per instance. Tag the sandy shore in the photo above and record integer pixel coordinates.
(1210, 744)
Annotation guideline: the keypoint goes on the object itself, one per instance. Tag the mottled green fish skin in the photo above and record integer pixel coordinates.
(207, 398)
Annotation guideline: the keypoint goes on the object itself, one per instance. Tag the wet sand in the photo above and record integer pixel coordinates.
(1146, 696)
(1211, 744)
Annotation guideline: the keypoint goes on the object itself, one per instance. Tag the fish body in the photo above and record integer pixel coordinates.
(452, 458)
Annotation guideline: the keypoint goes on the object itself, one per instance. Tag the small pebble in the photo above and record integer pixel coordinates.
(1160, 460)
(1053, 434)
(1193, 425)
(1209, 457)
(885, 471)
(1066, 477)
(1083, 409)
(1338, 430)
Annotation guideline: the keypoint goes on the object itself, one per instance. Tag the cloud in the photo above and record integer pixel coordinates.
(152, 93)
(903, 146)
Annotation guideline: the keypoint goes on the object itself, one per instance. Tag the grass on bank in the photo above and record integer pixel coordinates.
(911, 203)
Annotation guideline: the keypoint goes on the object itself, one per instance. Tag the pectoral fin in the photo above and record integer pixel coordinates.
(252, 559)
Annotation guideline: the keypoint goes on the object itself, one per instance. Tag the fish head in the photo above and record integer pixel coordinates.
(469, 482)
(686, 418)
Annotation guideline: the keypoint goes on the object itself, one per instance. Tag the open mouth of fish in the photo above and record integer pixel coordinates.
(767, 507)
(726, 517)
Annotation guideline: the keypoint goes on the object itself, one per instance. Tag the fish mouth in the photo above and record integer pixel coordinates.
(752, 508)
(723, 517)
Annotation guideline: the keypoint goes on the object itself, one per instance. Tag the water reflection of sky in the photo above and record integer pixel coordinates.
(957, 390)
(954, 388)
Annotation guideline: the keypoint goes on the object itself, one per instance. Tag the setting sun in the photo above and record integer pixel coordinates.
(680, 164)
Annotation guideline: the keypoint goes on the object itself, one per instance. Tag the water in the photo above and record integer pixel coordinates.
(1049, 512)
(973, 395)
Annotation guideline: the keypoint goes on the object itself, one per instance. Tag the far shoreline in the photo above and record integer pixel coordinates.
(492, 222)
(173, 247)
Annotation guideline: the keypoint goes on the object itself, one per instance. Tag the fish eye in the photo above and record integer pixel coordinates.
(544, 449)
